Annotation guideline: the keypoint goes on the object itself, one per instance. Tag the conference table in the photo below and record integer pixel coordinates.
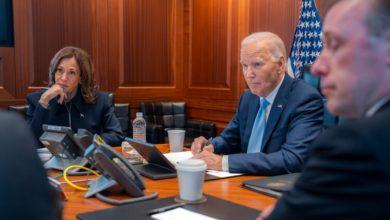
(228, 189)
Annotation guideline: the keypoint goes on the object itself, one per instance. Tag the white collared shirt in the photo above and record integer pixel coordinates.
(270, 98)
(371, 111)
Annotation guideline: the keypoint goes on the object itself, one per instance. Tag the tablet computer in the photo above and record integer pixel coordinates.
(158, 166)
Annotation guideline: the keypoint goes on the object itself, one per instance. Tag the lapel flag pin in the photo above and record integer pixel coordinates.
(279, 106)
(81, 115)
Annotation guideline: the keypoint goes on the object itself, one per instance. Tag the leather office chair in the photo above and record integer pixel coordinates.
(162, 116)
(122, 112)
(329, 119)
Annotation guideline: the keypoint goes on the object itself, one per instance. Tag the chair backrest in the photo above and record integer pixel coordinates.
(196, 128)
(309, 78)
(167, 114)
(122, 112)
(315, 81)
(20, 109)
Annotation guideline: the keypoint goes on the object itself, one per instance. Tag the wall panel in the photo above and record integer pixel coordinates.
(209, 44)
(7, 81)
(146, 50)
(47, 37)
(151, 51)
(279, 17)
(213, 83)
(42, 27)
(147, 45)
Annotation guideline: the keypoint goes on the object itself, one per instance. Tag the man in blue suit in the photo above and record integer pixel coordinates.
(276, 120)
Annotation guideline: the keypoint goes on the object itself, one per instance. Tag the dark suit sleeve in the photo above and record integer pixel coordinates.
(304, 126)
(25, 191)
(35, 114)
(229, 140)
(111, 129)
(342, 180)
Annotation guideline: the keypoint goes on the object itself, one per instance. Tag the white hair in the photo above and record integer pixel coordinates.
(276, 44)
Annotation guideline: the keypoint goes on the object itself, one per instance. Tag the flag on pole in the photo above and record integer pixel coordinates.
(307, 42)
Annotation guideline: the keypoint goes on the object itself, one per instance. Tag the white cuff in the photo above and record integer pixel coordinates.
(225, 163)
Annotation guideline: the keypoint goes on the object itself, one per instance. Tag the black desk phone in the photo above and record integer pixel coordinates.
(117, 174)
(66, 146)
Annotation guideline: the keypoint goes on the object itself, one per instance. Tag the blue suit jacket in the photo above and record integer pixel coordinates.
(293, 123)
(98, 118)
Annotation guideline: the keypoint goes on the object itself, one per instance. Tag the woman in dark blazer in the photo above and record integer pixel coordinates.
(73, 99)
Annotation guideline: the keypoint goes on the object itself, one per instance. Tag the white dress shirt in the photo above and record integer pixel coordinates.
(371, 111)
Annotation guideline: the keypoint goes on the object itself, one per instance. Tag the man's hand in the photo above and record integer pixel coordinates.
(213, 161)
(265, 213)
(198, 143)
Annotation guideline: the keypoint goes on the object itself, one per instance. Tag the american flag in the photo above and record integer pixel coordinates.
(307, 43)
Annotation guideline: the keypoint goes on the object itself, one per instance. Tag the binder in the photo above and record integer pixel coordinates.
(213, 207)
(273, 186)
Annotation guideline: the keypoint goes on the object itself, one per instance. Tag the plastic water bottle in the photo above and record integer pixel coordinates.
(139, 127)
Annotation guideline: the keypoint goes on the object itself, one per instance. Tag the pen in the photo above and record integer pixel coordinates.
(205, 144)
(166, 208)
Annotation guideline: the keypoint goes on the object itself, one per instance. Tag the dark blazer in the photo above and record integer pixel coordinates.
(347, 175)
(25, 191)
(98, 118)
(294, 122)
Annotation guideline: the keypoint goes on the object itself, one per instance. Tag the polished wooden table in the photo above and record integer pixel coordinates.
(229, 189)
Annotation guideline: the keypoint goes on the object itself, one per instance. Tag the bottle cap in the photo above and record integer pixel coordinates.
(139, 115)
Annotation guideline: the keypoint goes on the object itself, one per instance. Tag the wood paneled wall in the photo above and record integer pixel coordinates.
(146, 50)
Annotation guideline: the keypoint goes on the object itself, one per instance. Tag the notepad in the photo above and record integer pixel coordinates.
(273, 186)
(179, 214)
(222, 174)
(213, 208)
(175, 157)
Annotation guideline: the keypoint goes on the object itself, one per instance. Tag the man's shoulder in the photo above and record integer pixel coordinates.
(368, 135)
(301, 89)
(299, 96)
(247, 94)
(376, 123)
(247, 98)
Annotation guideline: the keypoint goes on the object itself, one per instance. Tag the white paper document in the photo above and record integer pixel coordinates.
(222, 174)
(175, 157)
(180, 214)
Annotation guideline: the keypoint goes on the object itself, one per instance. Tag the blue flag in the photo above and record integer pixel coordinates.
(307, 43)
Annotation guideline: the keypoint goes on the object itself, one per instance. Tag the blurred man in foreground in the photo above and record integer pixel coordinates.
(348, 174)
(25, 192)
